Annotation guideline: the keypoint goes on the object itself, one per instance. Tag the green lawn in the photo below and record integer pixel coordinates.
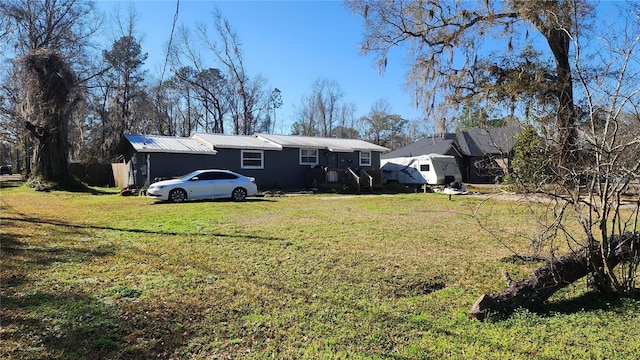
(295, 277)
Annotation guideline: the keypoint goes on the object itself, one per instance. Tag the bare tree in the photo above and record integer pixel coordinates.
(226, 93)
(65, 25)
(184, 87)
(384, 128)
(601, 191)
(28, 27)
(209, 84)
(306, 123)
(588, 171)
(610, 147)
(348, 126)
(164, 104)
(124, 83)
(12, 130)
(246, 96)
(273, 103)
(210, 87)
(322, 110)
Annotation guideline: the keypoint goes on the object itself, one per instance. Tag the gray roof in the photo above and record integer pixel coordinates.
(236, 142)
(424, 146)
(493, 141)
(168, 144)
(475, 142)
(207, 143)
(331, 144)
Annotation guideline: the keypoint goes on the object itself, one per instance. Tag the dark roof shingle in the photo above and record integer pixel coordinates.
(475, 142)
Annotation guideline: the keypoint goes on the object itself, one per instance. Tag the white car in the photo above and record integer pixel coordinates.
(204, 184)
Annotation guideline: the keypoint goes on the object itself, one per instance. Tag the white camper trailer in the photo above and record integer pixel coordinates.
(432, 169)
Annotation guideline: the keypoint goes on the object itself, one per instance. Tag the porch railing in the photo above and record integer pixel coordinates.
(344, 179)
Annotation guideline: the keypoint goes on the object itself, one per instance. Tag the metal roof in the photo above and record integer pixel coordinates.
(331, 144)
(236, 142)
(207, 143)
(168, 144)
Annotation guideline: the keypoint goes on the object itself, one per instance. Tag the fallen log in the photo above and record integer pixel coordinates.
(553, 276)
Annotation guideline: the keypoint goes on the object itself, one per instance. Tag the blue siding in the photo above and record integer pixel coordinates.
(164, 165)
(282, 169)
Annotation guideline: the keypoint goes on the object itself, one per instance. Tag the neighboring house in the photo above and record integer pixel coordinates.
(442, 145)
(487, 152)
(276, 161)
(482, 154)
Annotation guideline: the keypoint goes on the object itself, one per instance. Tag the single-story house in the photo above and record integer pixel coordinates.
(276, 161)
(147, 158)
(483, 155)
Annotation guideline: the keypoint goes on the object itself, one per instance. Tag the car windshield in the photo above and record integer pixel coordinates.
(188, 176)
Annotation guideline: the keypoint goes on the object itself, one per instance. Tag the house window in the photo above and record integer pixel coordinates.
(252, 159)
(308, 157)
(365, 158)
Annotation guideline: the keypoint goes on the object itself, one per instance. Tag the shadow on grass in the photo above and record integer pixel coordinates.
(81, 326)
(45, 256)
(247, 200)
(44, 318)
(399, 287)
(82, 188)
(6, 184)
(75, 187)
(587, 302)
(89, 190)
(72, 185)
(143, 231)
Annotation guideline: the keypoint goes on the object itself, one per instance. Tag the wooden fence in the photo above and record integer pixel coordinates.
(93, 174)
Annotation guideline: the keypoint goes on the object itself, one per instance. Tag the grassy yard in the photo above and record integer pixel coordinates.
(296, 277)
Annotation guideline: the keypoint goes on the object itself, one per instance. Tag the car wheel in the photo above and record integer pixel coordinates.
(177, 195)
(239, 194)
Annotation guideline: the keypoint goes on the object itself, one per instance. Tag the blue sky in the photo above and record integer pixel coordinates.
(290, 43)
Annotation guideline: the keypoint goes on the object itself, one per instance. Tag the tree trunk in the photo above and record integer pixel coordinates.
(46, 107)
(50, 154)
(566, 133)
(555, 275)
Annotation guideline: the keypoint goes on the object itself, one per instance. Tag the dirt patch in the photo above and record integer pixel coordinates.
(14, 177)
(628, 201)
(399, 288)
